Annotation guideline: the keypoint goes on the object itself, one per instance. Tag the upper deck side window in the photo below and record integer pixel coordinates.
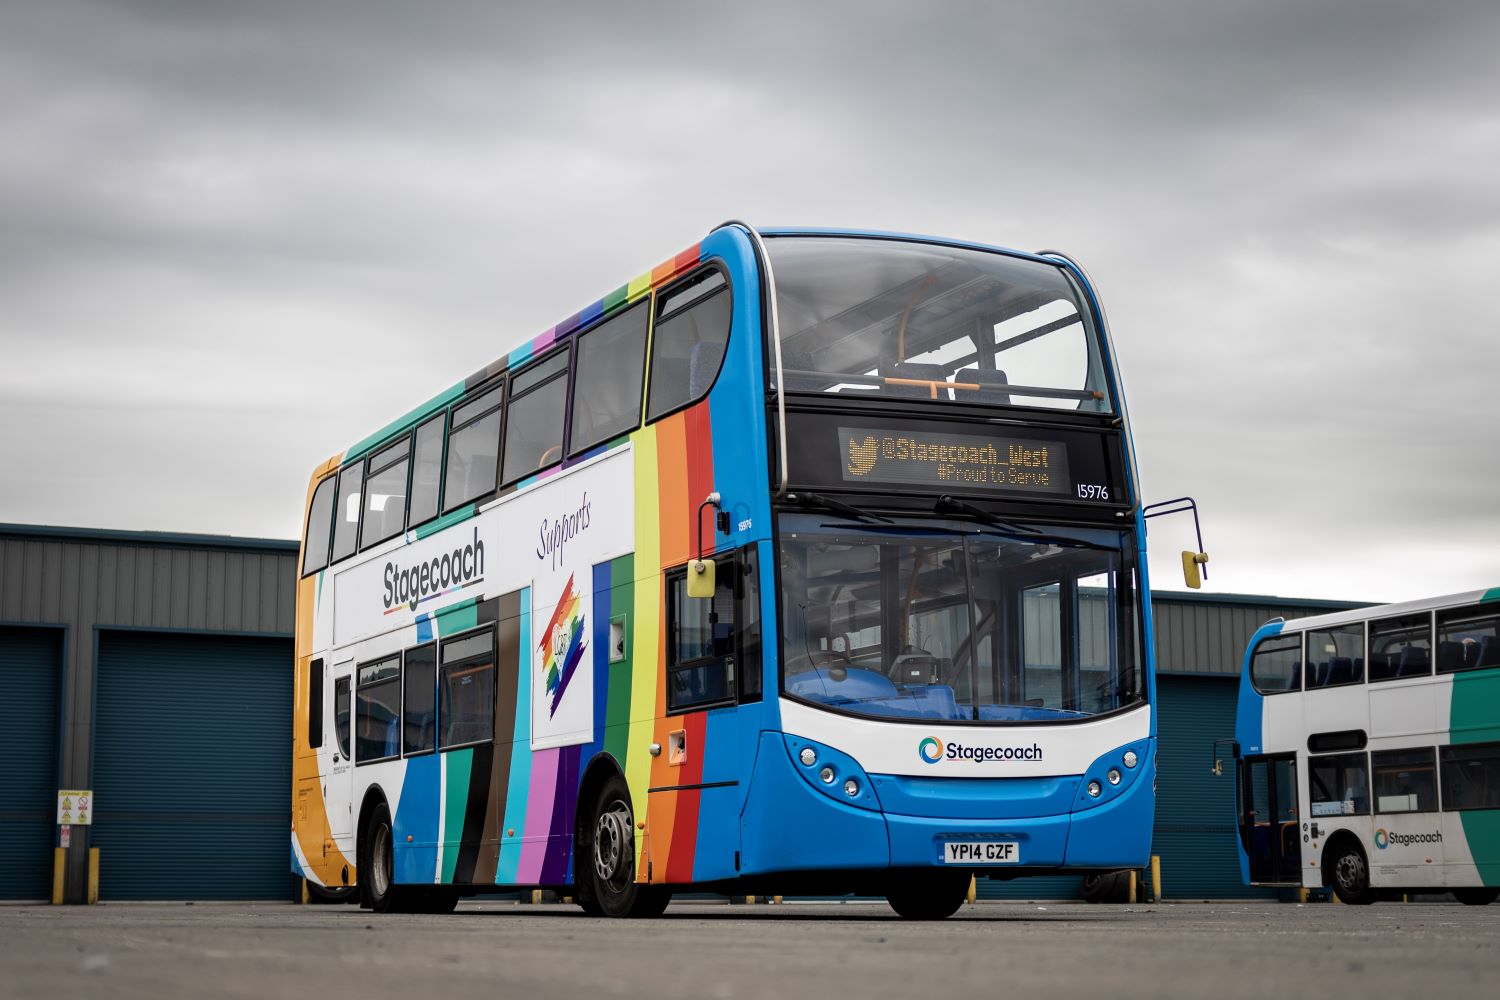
(346, 513)
(609, 376)
(473, 449)
(319, 527)
(1401, 647)
(535, 416)
(688, 342)
(385, 493)
(1468, 638)
(1276, 664)
(916, 321)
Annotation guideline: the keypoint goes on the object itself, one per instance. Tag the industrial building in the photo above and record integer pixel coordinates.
(155, 670)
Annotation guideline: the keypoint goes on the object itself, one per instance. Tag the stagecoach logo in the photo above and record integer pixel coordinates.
(562, 646)
(408, 586)
(932, 750)
(1390, 838)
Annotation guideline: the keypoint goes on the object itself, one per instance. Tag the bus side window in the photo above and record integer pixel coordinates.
(426, 472)
(1276, 664)
(747, 611)
(535, 416)
(687, 346)
(315, 704)
(341, 714)
(702, 640)
(610, 371)
(473, 449)
(346, 514)
(319, 524)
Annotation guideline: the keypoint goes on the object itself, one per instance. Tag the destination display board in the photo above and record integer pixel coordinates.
(942, 459)
(876, 453)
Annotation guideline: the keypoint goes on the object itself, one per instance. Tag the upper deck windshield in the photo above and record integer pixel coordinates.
(947, 621)
(920, 321)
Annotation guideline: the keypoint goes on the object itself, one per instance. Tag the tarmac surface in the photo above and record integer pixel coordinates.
(850, 951)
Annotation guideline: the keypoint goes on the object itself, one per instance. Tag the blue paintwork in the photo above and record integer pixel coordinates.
(417, 816)
(1099, 771)
(1118, 833)
(789, 826)
(1249, 731)
(976, 798)
(844, 768)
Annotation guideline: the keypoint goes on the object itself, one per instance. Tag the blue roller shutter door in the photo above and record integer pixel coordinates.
(1195, 833)
(192, 766)
(30, 660)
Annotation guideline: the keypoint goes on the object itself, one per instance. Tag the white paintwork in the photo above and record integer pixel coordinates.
(884, 746)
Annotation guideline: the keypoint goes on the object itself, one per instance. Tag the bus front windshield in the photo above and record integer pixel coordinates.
(904, 320)
(954, 622)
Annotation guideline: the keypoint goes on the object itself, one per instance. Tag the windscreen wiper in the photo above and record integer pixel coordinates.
(948, 504)
(829, 503)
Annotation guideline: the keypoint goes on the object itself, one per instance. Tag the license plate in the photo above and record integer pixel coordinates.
(981, 852)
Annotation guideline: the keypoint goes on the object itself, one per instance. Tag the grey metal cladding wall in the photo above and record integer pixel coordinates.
(1208, 634)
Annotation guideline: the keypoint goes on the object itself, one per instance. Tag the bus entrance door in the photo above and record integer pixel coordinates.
(1268, 819)
(338, 789)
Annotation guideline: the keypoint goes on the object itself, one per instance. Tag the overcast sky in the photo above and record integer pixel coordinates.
(236, 237)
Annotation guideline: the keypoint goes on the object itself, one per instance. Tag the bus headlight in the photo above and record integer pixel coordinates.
(1114, 776)
(1094, 789)
(826, 774)
(809, 756)
(851, 788)
(1130, 758)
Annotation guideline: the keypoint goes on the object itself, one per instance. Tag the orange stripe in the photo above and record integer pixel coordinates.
(685, 829)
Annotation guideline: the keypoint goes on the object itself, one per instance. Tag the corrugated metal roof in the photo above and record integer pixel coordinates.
(1208, 633)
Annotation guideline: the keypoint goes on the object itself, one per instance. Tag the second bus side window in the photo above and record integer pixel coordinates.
(1339, 785)
(611, 366)
(377, 711)
(535, 416)
(687, 347)
(473, 450)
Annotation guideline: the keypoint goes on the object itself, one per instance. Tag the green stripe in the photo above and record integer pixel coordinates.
(617, 706)
(616, 297)
(461, 616)
(1474, 717)
(458, 764)
(437, 402)
(1493, 594)
(448, 520)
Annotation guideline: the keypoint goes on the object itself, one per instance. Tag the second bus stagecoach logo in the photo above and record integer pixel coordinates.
(932, 750)
(408, 586)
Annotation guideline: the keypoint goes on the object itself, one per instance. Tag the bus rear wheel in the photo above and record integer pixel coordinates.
(1477, 896)
(934, 896)
(1347, 872)
(606, 860)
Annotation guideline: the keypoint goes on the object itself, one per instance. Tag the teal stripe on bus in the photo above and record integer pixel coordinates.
(437, 402)
(448, 520)
(457, 764)
(519, 788)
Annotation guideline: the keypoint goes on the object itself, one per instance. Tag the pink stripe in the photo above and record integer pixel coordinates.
(544, 341)
(539, 802)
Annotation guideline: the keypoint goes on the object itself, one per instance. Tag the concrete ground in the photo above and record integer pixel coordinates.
(851, 951)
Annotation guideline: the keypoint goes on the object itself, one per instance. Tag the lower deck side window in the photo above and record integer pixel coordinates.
(1471, 776)
(1339, 785)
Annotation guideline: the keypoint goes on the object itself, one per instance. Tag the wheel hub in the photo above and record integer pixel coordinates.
(1350, 872)
(614, 845)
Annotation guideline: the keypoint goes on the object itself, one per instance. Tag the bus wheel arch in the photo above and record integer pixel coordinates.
(1346, 869)
(600, 770)
(605, 867)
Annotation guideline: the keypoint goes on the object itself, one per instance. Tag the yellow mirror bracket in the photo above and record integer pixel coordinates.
(1190, 573)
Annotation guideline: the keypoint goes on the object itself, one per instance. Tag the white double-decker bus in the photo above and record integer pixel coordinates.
(1368, 745)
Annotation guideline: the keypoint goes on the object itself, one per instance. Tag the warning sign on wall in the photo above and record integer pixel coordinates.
(75, 806)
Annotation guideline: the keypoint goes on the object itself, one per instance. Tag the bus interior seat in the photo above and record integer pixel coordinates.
(795, 361)
(1489, 651)
(1413, 662)
(907, 370)
(1340, 670)
(1317, 674)
(1450, 657)
(987, 378)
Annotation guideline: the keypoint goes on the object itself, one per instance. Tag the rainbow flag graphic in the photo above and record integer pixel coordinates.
(562, 645)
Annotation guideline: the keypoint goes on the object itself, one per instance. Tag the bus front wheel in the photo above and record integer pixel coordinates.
(1476, 896)
(1347, 872)
(934, 896)
(607, 860)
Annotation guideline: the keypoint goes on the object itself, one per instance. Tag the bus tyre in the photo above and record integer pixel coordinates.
(606, 860)
(377, 864)
(435, 900)
(934, 896)
(1108, 887)
(1477, 896)
(1347, 872)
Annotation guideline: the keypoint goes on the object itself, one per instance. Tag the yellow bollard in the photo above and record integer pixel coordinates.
(775, 899)
(306, 896)
(750, 900)
(59, 872)
(1302, 895)
(93, 875)
(536, 896)
(1131, 898)
(1156, 878)
(973, 889)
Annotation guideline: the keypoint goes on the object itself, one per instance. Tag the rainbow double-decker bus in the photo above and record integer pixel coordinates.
(806, 562)
(1368, 751)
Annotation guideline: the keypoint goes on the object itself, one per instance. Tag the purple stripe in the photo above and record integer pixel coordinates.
(555, 867)
(539, 804)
